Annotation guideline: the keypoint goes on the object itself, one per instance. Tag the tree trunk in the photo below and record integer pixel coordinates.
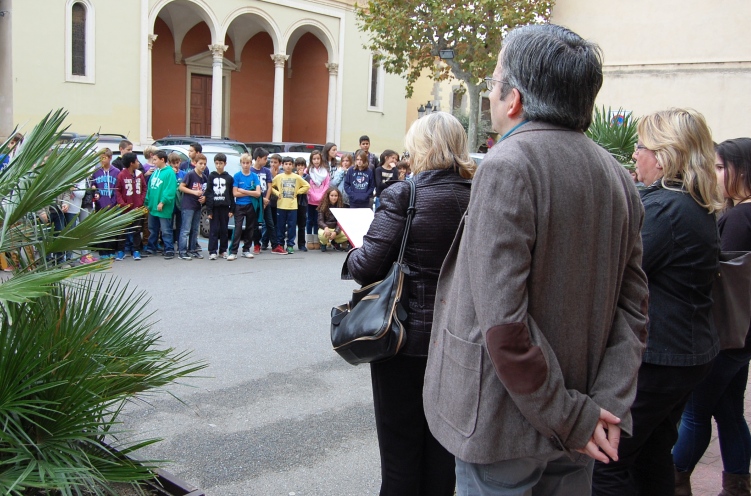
(474, 114)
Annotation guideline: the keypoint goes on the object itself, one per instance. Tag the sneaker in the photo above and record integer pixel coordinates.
(265, 247)
(147, 253)
(257, 250)
(224, 255)
(337, 247)
(119, 256)
(247, 254)
(105, 257)
(185, 256)
(213, 256)
(302, 248)
(87, 259)
(197, 255)
(136, 255)
(278, 250)
(169, 255)
(323, 248)
(290, 250)
(232, 257)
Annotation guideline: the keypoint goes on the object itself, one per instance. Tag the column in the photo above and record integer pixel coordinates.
(145, 70)
(331, 110)
(150, 111)
(217, 66)
(6, 70)
(279, 60)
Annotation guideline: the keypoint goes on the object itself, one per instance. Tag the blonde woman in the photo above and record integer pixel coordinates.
(412, 461)
(675, 160)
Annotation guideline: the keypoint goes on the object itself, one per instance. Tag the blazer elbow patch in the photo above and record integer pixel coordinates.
(519, 365)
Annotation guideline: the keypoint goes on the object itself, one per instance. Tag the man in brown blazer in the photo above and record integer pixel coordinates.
(540, 315)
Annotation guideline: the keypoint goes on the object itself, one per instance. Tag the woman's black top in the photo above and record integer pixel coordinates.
(441, 197)
(735, 235)
(681, 259)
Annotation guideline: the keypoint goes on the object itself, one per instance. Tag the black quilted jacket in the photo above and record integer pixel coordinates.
(441, 197)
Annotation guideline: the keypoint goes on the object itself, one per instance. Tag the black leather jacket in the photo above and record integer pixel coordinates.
(681, 258)
(441, 197)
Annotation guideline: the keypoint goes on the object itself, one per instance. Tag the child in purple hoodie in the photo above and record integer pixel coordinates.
(104, 179)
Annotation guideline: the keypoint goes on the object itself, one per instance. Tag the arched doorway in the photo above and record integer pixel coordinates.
(306, 89)
(251, 117)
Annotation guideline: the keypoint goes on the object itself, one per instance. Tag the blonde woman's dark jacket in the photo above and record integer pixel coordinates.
(441, 197)
(540, 316)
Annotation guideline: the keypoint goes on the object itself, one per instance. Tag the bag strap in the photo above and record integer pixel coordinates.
(410, 214)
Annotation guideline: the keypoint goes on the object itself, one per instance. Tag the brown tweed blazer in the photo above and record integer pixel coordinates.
(540, 312)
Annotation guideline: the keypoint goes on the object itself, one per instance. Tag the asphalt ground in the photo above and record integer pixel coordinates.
(277, 411)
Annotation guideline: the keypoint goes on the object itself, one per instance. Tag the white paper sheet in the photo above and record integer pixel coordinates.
(354, 222)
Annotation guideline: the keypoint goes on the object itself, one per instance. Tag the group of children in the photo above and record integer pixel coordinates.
(274, 200)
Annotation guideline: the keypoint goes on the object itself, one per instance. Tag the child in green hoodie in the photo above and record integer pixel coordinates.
(160, 200)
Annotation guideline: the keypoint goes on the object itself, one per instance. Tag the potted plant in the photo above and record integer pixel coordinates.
(75, 345)
(616, 132)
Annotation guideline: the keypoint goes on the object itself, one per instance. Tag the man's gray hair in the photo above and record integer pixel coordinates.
(557, 73)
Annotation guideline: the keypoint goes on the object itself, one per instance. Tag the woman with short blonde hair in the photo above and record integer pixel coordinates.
(412, 461)
(438, 141)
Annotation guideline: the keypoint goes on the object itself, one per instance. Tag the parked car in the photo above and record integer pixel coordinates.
(203, 141)
(283, 148)
(477, 157)
(111, 141)
(233, 167)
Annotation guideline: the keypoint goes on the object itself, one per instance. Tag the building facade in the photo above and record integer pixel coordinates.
(252, 70)
(672, 53)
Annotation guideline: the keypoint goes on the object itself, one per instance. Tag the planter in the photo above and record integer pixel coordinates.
(166, 484)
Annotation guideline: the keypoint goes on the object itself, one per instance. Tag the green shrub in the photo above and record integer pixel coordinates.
(618, 138)
(75, 346)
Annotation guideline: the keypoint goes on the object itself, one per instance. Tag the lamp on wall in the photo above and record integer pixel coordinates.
(426, 109)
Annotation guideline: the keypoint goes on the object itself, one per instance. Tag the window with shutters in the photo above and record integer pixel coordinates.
(79, 41)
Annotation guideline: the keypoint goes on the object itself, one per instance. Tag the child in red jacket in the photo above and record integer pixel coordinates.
(130, 191)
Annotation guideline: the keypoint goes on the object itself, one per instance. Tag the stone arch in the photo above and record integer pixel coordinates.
(254, 21)
(317, 29)
(181, 16)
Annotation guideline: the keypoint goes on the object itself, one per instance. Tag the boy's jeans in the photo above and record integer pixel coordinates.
(269, 229)
(164, 225)
(286, 221)
(189, 230)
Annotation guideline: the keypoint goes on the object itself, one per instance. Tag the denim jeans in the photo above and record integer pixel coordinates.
(719, 395)
(268, 232)
(549, 475)
(164, 225)
(189, 230)
(286, 222)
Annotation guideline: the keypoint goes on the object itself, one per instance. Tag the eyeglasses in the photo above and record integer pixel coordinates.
(638, 148)
(489, 82)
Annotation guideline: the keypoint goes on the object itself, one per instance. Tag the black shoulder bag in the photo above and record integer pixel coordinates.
(370, 327)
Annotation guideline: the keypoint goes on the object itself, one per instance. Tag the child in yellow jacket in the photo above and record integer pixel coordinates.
(286, 187)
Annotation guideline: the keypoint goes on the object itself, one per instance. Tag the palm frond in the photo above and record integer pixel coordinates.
(617, 136)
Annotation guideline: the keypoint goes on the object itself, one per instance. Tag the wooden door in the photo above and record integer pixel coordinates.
(200, 105)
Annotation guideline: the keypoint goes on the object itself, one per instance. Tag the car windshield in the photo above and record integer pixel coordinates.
(305, 148)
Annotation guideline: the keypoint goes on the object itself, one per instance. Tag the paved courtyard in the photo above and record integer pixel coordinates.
(277, 411)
